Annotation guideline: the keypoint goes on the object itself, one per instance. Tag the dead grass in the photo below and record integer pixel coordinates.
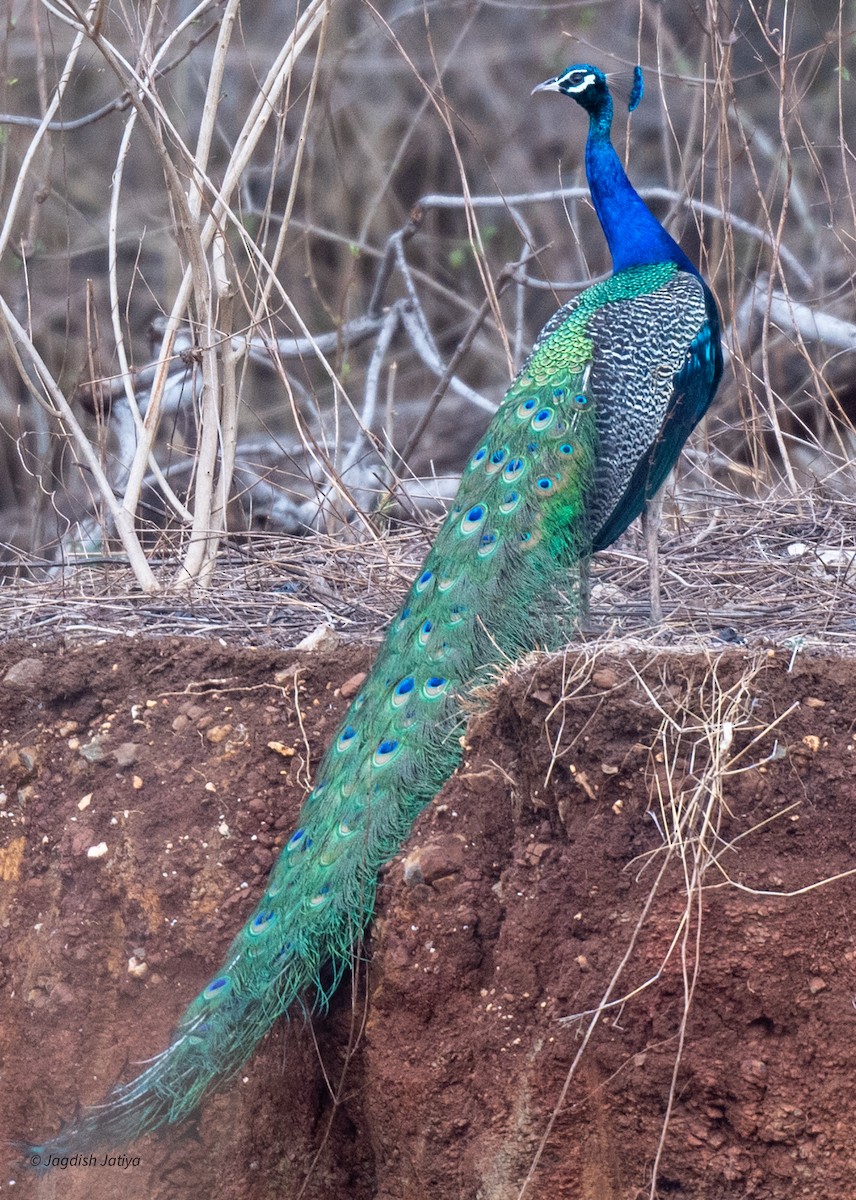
(735, 571)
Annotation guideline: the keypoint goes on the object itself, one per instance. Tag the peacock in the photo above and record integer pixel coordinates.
(585, 435)
(658, 357)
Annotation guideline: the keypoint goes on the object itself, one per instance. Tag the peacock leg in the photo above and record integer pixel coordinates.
(584, 603)
(652, 517)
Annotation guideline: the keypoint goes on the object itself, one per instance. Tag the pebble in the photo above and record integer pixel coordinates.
(281, 748)
(26, 673)
(351, 686)
(92, 751)
(321, 638)
(126, 754)
(425, 864)
(604, 678)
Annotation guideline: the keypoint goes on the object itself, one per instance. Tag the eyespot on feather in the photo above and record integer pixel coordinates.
(386, 752)
(261, 923)
(329, 855)
(217, 988)
(529, 539)
(345, 739)
(402, 691)
(543, 419)
(473, 519)
(321, 898)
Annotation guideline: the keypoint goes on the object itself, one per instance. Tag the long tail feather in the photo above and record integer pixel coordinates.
(494, 585)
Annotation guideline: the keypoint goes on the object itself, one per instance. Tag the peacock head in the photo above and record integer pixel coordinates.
(588, 86)
(583, 83)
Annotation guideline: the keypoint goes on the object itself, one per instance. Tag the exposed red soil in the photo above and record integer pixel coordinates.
(511, 906)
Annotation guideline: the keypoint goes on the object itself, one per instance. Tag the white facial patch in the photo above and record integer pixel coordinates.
(576, 88)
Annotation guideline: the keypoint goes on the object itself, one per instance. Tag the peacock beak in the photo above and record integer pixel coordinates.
(549, 85)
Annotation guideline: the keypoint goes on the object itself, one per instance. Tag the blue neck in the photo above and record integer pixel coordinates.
(634, 235)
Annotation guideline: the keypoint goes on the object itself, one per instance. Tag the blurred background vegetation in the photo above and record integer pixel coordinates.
(268, 201)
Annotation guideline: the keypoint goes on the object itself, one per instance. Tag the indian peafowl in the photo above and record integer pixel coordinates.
(658, 358)
(586, 433)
